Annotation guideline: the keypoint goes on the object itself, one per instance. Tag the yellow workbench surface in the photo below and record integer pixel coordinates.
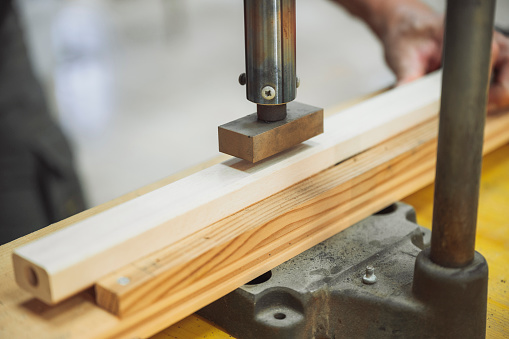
(492, 241)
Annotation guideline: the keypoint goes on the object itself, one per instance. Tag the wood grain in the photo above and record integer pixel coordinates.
(492, 234)
(22, 316)
(72, 259)
(186, 276)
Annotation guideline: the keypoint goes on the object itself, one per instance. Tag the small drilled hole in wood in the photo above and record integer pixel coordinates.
(279, 316)
(32, 277)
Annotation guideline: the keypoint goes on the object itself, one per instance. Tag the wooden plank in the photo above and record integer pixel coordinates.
(22, 316)
(68, 261)
(305, 208)
(199, 269)
(492, 233)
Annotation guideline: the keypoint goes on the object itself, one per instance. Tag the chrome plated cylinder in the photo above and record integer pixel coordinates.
(468, 34)
(270, 51)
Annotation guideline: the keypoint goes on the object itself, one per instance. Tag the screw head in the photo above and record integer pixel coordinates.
(369, 278)
(298, 82)
(268, 93)
(242, 79)
(122, 281)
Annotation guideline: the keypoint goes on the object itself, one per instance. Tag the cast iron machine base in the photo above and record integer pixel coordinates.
(326, 292)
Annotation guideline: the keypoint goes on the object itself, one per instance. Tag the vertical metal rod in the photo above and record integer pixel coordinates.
(270, 36)
(467, 52)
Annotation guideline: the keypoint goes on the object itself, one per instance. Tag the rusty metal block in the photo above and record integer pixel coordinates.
(253, 140)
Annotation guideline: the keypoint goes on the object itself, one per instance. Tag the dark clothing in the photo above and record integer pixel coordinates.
(38, 184)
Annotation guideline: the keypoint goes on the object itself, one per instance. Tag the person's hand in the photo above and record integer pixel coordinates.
(412, 36)
(413, 40)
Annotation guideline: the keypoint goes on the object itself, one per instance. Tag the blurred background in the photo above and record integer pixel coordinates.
(140, 86)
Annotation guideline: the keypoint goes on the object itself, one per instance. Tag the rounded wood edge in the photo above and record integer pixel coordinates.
(32, 278)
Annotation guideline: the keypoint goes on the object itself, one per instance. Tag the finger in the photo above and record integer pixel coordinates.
(410, 67)
(495, 53)
(498, 98)
(499, 90)
(435, 59)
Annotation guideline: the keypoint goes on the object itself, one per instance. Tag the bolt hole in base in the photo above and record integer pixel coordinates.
(388, 210)
(32, 278)
(279, 316)
(261, 279)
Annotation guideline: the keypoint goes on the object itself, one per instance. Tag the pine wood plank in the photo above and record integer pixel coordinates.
(186, 276)
(304, 208)
(492, 233)
(22, 316)
(71, 260)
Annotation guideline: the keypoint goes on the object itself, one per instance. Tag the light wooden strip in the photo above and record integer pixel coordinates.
(196, 258)
(22, 316)
(68, 261)
(183, 278)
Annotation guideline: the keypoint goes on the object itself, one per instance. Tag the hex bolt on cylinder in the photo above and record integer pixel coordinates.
(450, 277)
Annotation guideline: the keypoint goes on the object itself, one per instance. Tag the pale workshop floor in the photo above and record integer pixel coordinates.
(140, 86)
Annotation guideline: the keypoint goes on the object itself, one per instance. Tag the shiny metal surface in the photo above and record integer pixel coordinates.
(469, 29)
(271, 113)
(252, 139)
(270, 50)
(268, 93)
(369, 277)
(319, 294)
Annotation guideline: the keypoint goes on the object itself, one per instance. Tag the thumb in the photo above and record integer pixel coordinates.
(495, 53)
(499, 89)
(409, 68)
(409, 75)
